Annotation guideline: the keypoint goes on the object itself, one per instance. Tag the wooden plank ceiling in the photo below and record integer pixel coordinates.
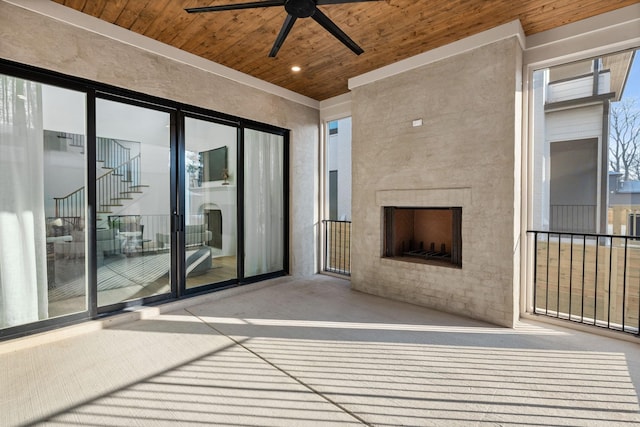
(387, 30)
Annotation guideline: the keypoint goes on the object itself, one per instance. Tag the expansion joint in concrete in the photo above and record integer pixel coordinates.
(288, 374)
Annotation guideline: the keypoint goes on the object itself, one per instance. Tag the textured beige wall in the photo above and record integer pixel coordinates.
(463, 155)
(33, 39)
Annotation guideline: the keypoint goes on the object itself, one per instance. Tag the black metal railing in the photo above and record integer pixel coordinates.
(154, 231)
(119, 184)
(337, 245)
(73, 139)
(111, 152)
(588, 278)
(71, 205)
(121, 181)
(573, 218)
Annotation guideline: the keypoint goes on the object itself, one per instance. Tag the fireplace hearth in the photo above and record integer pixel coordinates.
(424, 235)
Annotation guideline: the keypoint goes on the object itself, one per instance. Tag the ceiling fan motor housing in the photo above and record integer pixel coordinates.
(300, 8)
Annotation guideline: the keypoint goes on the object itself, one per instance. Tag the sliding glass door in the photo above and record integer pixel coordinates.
(133, 225)
(43, 267)
(210, 188)
(264, 203)
(111, 199)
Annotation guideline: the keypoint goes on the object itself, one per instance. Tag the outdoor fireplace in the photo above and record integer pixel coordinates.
(423, 235)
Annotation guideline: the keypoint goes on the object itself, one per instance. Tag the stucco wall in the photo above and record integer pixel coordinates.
(33, 39)
(463, 155)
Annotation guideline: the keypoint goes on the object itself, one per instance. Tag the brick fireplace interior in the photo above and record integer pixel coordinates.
(423, 235)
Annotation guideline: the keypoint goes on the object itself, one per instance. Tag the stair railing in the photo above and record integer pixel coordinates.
(118, 184)
(111, 188)
(111, 152)
(71, 205)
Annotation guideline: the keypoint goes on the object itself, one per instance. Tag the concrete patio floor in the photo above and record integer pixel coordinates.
(311, 352)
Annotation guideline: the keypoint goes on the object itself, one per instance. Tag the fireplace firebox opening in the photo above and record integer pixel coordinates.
(423, 235)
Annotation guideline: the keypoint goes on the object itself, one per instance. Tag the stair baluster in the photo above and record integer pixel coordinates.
(119, 183)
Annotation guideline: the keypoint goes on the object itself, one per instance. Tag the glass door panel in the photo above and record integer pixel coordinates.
(132, 201)
(210, 202)
(43, 267)
(263, 203)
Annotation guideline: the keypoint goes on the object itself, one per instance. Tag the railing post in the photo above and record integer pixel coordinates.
(595, 283)
(609, 290)
(558, 281)
(535, 270)
(333, 243)
(570, 276)
(624, 283)
(584, 258)
(349, 225)
(326, 244)
(546, 301)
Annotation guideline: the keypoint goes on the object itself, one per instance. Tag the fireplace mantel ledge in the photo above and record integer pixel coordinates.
(432, 197)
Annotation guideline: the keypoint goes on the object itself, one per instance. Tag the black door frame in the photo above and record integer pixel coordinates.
(177, 111)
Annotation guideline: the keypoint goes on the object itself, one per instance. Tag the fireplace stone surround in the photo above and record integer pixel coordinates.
(466, 154)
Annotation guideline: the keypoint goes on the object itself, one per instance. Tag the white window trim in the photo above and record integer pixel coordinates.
(331, 109)
(598, 36)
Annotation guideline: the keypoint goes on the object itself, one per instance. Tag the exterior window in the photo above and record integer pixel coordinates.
(586, 191)
(587, 145)
(132, 192)
(337, 225)
(43, 268)
(634, 224)
(264, 214)
(339, 169)
(211, 187)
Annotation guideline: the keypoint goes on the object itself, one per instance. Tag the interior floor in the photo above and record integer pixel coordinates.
(123, 278)
(313, 352)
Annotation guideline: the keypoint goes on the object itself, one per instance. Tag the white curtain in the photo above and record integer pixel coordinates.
(263, 202)
(23, 268)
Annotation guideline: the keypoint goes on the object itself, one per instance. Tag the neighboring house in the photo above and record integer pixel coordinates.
(339, 169)
(624, 206)
(572, 108)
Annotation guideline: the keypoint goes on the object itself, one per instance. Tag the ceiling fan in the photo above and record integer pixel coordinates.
(295, 9)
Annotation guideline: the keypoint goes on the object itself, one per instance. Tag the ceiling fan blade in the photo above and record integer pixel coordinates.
(284, 32)
(328, 25)
(237, 6)
(323, 2)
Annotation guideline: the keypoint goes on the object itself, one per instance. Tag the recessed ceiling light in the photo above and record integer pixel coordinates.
(295, 68)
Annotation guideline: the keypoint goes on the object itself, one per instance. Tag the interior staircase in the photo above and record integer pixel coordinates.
(117, 187)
